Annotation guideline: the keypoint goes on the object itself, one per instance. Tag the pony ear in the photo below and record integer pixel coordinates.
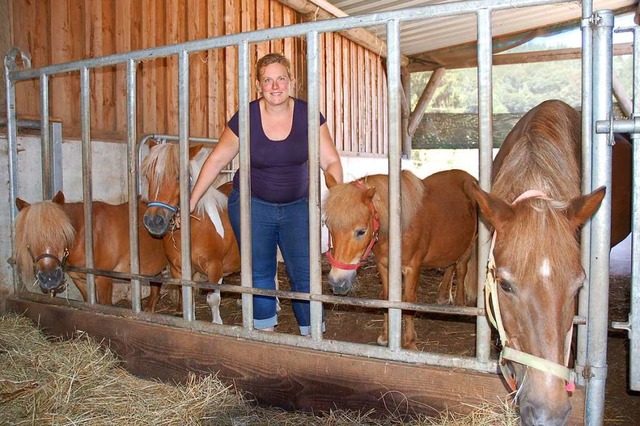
(58, 198)
(194, 150)
(21, 204)
(583, 207)
(495, 210)
(329, 180)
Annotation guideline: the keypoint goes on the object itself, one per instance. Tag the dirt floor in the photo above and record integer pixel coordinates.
(437, 333)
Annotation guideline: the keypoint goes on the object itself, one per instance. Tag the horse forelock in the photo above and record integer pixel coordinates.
(541, 233)
(41, 226)
(161, 166)
(342, 207)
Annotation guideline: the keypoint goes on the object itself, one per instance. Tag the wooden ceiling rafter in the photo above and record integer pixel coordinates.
(315, 10)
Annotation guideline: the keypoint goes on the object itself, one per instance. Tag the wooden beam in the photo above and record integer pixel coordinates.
(425, 97)
(314, 10)
(518, 58)
(622, 97)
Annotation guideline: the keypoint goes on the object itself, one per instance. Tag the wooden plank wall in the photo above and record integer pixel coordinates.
(58, 31)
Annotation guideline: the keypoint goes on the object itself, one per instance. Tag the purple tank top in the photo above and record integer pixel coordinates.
(279, 169)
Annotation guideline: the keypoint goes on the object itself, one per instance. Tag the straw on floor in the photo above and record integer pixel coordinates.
(45, 381)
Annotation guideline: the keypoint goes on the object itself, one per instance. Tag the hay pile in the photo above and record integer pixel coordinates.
(78, 382)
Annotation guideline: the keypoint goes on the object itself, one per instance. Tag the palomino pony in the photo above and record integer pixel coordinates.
(536, 209)
(50, 235)
(439, 223)
(214, 249)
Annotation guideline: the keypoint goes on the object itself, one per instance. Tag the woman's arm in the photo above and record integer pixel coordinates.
(223, 153)
(329, 158)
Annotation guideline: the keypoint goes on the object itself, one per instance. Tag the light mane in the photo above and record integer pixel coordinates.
(41, 226)
(544, 157)
(344, 206)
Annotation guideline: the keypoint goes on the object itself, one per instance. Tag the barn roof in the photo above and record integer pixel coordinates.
(450, 41)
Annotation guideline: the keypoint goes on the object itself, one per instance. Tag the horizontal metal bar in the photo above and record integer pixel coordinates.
(325, 298)
(619, 126)
(25, 123)
(159, 137)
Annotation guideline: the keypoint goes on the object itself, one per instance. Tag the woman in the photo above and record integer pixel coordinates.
(279, 185)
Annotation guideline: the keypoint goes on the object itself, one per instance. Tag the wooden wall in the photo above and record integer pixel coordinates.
(58, 31)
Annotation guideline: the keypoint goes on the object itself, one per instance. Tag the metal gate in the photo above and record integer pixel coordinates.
(597, 48)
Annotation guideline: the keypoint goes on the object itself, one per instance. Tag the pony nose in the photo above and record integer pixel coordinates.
(50, 280)
(156, 224)
(342, 283)
(532, 414)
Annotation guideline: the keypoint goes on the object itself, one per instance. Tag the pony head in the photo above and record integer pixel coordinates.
(537, 273)
(44, 236)
(161, 168)
(356, 213)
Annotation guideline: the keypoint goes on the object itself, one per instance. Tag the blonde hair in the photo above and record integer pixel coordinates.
(272, 58)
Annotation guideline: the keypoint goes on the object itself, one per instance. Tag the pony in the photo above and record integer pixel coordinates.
(49, 235)
(439, 225)
(536, 209)
(214, 249)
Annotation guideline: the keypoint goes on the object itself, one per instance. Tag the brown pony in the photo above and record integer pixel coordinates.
(439, 223)
(536, 252)
(214, 249)
(50, 235)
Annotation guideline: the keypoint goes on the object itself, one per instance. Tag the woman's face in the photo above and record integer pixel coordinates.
(275, 84)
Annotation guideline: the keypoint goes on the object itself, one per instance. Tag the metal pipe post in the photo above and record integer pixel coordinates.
(596, 367)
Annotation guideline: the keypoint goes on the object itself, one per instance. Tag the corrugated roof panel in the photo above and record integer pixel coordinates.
(425, 35)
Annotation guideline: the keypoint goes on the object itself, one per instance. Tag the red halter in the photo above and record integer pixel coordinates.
(374, 239)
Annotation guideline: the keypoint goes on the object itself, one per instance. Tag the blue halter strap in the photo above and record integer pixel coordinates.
(169, 207)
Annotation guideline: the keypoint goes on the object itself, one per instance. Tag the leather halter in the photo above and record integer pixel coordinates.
(374, 238)
(495, 317)
(60, 262)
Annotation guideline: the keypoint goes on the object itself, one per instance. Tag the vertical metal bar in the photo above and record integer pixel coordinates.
(601, 221)
(587, 125)
(12, 142)
(45, 140)
(56, 156)
(315, 265)
(132, 161)
(87, 190)
(634, 316)
(485, 152)
(183, 133)
(244, 78)
(395, 159)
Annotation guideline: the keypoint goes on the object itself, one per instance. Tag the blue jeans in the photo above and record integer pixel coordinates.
(284, 225)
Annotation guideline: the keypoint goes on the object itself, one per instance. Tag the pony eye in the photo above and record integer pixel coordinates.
(360, 232)
(506, 286)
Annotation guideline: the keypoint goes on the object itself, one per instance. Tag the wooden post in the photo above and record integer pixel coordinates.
(426, 96)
